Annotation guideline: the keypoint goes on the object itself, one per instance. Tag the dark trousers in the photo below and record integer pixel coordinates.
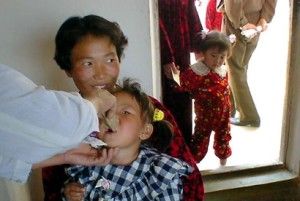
(180, 104)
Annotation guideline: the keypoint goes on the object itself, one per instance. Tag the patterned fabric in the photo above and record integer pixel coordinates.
(152, 176)
(179, 24)
(213, 19)
(193, 189)
(212, 108)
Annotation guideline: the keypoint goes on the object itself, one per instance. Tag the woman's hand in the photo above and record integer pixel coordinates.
(167, 68)
(175, 72)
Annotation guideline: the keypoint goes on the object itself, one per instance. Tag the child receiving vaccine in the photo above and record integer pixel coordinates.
(207, 82)
(138, 171)
(89, 49)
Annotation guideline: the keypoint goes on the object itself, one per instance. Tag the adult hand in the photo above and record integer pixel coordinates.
(263, 23)
(168, 69)
(249, 31)
(103, 101)
(176, 74)
(74, 191)
(84, 154)
(248, 26)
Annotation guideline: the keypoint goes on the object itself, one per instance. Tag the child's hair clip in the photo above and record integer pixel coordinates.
(158, 115)
(204, 34)
(232, 38)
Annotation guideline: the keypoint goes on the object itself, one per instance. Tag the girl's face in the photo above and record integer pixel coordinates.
(130, 126)
(213, 58)
(94, 63)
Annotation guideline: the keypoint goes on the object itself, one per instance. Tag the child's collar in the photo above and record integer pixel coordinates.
(201, 69)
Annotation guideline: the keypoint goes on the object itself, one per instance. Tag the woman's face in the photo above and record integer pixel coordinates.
(94, 63)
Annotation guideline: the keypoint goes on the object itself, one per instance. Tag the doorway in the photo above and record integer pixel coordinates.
(267, 80)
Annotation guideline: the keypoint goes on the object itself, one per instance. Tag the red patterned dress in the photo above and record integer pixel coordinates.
(213, 19)
(193, 189)
(209, 89)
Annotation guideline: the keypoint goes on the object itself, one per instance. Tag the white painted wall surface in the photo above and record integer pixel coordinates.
(28, 30)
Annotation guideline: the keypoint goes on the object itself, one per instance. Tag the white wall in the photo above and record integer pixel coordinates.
(27, 33)
(28, 30)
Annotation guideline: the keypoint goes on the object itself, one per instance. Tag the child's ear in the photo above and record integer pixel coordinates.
(147, 131)
(198, 55)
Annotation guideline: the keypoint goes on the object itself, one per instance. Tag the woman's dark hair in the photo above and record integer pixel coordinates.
(74, 28)
(163, 129)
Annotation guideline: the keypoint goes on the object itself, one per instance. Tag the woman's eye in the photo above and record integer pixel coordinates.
(126, 112)
(87, 63)
(110, 60)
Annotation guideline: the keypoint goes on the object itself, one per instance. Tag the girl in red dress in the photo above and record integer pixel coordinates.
(207, 83)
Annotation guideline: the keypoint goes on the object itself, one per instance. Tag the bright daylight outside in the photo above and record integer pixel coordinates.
(267, 78)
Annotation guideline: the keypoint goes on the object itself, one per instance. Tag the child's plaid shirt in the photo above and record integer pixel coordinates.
(152, 176)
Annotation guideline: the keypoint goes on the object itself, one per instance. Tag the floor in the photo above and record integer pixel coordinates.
(266, 77)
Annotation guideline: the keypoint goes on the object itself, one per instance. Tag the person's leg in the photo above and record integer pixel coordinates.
(180, 104)
(221, 140)
(199, 144)
(238, 67)
(222, 128)
(203, 128)
(232, 109)
(240, 89)
(247, 106)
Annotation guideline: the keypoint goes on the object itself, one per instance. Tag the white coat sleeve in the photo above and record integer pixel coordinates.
(36, 123)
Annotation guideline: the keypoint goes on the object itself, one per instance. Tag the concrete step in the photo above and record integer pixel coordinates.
(245, 178)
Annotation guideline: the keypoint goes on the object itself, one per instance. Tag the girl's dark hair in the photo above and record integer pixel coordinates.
(162, 130)
(74, 28)
(213, 39)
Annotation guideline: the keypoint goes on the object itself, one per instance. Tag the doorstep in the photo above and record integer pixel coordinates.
(242, 177)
